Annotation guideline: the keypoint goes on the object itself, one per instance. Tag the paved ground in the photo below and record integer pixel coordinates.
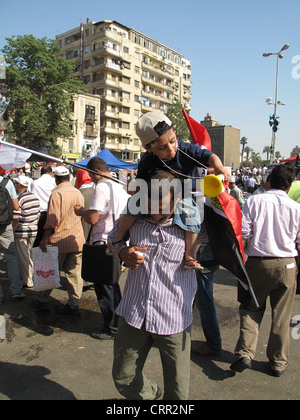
(70, 365)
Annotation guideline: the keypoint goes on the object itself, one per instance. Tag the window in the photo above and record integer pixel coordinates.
(99, 61)
(125, 110)
(126, 125)
(126, 50)
(90, 112)
(126, 80)
(86, 79)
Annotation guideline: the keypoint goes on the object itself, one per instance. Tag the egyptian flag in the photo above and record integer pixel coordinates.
(223, 219)
(198, 132)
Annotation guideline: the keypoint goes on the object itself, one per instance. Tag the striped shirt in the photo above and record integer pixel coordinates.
(28, 215)
(160, 292)
(61, 218)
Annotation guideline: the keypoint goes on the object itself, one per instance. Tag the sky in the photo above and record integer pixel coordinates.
(224, 40)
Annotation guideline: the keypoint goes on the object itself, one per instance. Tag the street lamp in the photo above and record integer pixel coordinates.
(276, 102)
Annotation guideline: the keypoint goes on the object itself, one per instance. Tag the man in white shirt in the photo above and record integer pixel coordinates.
(100, 216)
(271, 225)
(42, 189)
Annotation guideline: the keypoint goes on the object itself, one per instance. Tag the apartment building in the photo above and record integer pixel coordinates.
(131, 72)
(225, 141)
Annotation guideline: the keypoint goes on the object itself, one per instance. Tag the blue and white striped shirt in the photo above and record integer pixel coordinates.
(160, 292)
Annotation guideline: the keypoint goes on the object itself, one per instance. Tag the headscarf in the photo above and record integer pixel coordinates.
(82, 177)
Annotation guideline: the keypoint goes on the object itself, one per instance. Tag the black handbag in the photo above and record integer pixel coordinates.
(97, 266)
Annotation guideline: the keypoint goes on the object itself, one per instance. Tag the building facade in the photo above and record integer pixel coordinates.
(131, 73)
(225, 141)
(85, 125)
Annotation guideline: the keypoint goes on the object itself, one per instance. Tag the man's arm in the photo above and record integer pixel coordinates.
(16, 213)
(45, 239)
(131, 258)
(90, 216)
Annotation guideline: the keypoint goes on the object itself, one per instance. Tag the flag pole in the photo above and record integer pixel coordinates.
(57, 160)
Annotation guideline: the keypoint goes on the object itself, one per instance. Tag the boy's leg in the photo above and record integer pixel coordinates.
(191, 248)
(175, 353)
(131, 348)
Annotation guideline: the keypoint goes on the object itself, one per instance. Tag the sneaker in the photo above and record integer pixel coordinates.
(241, 364)
(158, 394)
(102, 335)
(277, 371)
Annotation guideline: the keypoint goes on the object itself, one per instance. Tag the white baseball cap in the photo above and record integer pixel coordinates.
(23, 180)
(151, 126)
(61, 171)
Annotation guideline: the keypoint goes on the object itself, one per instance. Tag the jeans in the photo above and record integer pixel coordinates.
(7, 247)
(109, 297)
(205, 302)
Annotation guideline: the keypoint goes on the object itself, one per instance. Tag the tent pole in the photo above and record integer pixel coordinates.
(57, 160)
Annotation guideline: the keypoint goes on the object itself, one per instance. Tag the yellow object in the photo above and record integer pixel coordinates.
(212, 185)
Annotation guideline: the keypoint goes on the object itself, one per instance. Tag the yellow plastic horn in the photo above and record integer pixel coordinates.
(212, 185)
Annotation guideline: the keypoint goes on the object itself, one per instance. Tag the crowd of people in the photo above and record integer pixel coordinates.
(171, 266)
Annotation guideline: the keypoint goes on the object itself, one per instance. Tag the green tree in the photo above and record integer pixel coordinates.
(41, 87)
(267, 149)
(176, 116)
(277, 156)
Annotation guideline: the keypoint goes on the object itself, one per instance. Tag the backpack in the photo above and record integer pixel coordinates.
(6, 206)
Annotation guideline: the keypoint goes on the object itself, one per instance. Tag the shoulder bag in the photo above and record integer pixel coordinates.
(97, 266)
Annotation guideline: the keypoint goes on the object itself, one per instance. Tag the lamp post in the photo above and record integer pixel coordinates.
(276, 102)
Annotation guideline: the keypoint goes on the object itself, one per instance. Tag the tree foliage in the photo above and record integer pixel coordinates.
(41, 86)
(176, 116)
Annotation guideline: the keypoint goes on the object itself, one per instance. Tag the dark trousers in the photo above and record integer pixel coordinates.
(109, 298)
(41, 223)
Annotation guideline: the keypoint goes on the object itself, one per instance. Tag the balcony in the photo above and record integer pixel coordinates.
(91, 117)
(91, 134)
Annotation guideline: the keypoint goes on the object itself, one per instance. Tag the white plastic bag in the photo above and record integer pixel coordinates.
(46, 274)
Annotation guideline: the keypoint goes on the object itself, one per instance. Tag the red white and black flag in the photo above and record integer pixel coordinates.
(223, 219)
(198, 132)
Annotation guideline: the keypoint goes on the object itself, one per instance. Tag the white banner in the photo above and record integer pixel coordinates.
(10, 157)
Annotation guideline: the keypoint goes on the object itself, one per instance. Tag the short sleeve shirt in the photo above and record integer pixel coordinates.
(10, 188)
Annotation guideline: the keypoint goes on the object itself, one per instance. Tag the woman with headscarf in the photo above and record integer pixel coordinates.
(85, 185)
